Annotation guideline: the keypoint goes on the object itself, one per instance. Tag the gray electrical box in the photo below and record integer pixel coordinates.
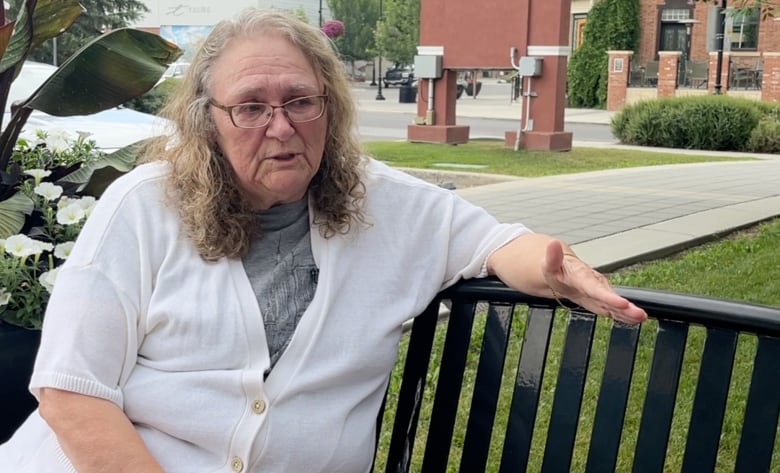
(427, 67)
(530, 66)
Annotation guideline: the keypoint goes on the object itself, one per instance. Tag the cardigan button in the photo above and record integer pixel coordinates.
(258, 406)
(236, 464)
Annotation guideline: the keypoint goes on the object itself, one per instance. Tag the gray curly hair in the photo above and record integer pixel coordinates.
(202, 185)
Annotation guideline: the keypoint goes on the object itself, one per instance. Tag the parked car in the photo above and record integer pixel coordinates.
(399, 75)
(111, 129)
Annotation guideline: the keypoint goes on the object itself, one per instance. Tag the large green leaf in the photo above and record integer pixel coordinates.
(49, 19)
(12, 213)
(94, 177)
(110, 70)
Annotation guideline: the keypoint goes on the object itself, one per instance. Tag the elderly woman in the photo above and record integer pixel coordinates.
(236, 304)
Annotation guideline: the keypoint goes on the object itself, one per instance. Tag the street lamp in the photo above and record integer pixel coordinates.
(379, 95)
(688, 22)
(719, 37)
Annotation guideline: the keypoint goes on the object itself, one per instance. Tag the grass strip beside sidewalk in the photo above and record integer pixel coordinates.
(490, 156)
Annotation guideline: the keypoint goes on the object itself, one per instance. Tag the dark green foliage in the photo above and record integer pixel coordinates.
(152, 101)
(359, 18)
(99, 16)
(398, 31)
(711, 122)
(612, 25)
(765, 137)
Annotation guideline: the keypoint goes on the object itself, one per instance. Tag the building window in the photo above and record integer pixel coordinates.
(578, 29)
(742, 29)
(675, 14)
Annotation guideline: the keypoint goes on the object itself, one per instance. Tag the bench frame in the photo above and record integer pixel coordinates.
(723, 320)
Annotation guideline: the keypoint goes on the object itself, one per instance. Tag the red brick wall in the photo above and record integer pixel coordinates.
(768, 32)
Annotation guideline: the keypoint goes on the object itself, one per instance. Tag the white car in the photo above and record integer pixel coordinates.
(111, 129)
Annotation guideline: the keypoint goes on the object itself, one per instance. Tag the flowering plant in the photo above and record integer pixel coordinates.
(54, 215)
(333, 28)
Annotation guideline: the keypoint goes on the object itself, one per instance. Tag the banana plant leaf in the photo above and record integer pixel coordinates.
(92, 179)
(12, 214)
(107, 72)
(38, 22)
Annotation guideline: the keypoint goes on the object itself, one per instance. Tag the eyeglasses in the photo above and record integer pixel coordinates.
(258, 114)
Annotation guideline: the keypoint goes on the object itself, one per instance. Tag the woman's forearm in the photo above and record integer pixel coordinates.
(95, 434)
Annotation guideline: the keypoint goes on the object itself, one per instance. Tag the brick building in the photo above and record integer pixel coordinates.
(677, 54)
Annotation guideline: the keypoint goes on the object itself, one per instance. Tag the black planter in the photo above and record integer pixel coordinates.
(17, 356)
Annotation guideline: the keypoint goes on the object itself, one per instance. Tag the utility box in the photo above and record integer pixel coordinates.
(530, 66)
(427, 66)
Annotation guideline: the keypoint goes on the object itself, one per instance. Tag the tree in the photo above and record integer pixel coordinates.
(611, 25)
(300, 13)
(359, 18)
(398, 31)
(99, 16)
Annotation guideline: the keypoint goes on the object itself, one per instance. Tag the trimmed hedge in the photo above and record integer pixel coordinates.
(711, 122)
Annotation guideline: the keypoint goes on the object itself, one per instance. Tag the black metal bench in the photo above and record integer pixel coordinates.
(465, 431)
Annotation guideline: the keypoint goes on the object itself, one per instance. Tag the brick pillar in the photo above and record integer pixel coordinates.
(442, 129)
(548, 38)
(617, 82)
(724, 72)
(668, 62)
(770, 82)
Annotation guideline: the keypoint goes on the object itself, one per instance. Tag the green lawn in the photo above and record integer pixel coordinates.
(745, 266)
(490, 156)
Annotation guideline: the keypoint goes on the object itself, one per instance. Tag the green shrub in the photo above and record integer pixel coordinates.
(765, 137)
(712, 122)
(153, 100)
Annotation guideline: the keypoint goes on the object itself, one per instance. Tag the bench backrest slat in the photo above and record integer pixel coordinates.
(408, 404)
(660, 397)
(762, 409)
(451, 369)
(613, 398)
(709, 405)
(527, 388)
(487, 386)
(568, 393)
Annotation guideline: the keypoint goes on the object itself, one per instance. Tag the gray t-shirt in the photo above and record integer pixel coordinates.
(282, 271)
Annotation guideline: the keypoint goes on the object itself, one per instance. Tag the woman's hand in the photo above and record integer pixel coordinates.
(542, 265)
(568, 276)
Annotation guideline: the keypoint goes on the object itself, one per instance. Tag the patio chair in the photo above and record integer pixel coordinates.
(651, 74)
(698, 74)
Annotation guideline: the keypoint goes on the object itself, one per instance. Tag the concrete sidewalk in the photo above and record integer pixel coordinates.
(617, 217)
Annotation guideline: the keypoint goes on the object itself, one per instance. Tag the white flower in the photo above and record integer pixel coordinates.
(38, 174)
(22, 246)
(48, 278)
(30, 139)
(62, 251)
(5, 296)
(70, 214)
(87, 203)
(58, 140)
(48, 190)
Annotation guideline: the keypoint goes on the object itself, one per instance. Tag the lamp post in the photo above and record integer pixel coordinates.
(320, 13)
(719, 37)
(379, 95)
(686, 53)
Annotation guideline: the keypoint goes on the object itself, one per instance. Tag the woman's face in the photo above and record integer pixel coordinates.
(274, 164)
